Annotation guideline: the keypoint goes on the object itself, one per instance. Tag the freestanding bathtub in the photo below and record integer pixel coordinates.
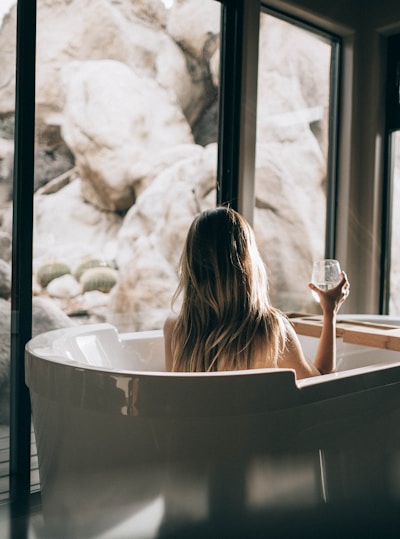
(121, 442)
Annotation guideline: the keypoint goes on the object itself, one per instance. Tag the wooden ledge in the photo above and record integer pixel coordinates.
(351, 331)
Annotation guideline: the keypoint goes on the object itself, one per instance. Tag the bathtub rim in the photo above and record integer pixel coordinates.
(35, 345)
(47, 377)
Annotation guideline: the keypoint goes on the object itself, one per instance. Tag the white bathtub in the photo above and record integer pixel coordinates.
(122, 442)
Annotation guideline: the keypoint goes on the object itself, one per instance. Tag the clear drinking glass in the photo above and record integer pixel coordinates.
(325, 275)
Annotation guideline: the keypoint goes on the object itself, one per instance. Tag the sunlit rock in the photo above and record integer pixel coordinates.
(152, 237)
(67, 227)
(293, 84)
(48, 316)
(5, 279)
(290, 216)
(7, 61)
(290, 205)
(130, 32)
(5, 246)
(195, 26)
(94, 299)
(115, 123)
(63, 287)
(161, 162)
(141, 81)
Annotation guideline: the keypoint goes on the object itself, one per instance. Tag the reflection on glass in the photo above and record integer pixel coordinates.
(394, 301)
(126, 132)
(291, 157)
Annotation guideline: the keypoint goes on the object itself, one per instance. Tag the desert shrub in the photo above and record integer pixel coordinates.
(50, 270)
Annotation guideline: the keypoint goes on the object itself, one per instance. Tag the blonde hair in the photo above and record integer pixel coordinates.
(226, 317)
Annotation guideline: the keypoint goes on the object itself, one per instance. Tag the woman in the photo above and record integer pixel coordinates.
(226, 321)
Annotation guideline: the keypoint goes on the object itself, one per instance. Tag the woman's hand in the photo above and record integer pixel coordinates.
(332, 299)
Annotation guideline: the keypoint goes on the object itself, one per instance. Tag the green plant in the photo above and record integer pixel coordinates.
(88, 263)
(50, 270)
(100, 278)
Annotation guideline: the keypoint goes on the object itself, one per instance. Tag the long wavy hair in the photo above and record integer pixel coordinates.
(226, 319)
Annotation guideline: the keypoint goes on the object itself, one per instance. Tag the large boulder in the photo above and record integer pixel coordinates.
(68, 228)
(46, 316)
(132, 74)
(130, 32)
(293, 83)
(290, 186)
(290, 217)
(8, 45)
(115, 122)
(152, 236)
(195, 26)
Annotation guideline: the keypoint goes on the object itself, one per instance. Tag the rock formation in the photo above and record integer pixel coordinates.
(127, 96)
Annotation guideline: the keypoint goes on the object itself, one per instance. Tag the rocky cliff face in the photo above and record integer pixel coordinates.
(125, 94)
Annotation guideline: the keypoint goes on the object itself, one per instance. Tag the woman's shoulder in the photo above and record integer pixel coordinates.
(170, 322)
(168, 329)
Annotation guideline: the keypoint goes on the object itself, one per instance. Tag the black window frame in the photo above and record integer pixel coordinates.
(230, 102)
(21, 281)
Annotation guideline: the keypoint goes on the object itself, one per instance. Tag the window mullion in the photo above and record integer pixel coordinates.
(21, 297)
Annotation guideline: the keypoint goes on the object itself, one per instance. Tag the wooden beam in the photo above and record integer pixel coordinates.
(351, 331)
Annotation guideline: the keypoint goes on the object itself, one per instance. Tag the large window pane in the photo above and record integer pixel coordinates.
(125, 154)
(291, 157)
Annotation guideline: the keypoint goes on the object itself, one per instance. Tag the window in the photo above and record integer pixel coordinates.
(126, 126)
(292, 217)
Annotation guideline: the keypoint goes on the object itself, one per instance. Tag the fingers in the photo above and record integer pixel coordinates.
(345, 285)
(344, 282)
(343, 288)
(340, 291)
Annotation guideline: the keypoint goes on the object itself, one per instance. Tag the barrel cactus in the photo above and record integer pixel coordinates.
(50, 270)
(100, 278)
(88, 263)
